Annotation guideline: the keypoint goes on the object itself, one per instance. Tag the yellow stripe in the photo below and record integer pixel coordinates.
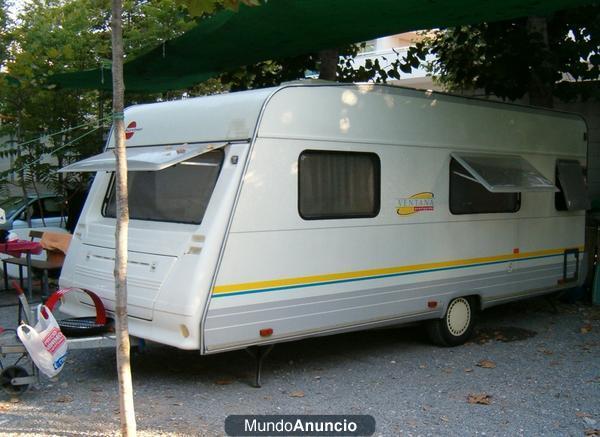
(220, 289)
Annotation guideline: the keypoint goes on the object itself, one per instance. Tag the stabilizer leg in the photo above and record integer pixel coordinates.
(259, 353)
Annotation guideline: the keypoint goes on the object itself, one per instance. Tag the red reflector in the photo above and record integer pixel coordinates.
(130, 130)
(516, 250)
(266, 332)
(432, 304)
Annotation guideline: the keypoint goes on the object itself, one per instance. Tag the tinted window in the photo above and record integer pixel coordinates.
(468, 196)
(338, 184)
(52, 207)
(179, 193)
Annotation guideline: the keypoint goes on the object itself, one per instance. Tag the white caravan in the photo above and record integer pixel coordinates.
(276, 214)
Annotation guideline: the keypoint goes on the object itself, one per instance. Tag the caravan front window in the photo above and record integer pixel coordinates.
(179, 193)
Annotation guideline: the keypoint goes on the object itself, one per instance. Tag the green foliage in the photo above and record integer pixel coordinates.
(505, 57)
(276, 71)
(197, 8)
(4, 29)
(53, 36)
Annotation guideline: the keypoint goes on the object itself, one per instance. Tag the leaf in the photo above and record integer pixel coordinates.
(582, 414)
(479, 398)
(586, 328)
(199, 7)
(224, 381)
(53, 53)
(64, 399)
(468, 370)
(297, 394)
(591, 432)
(487, 364)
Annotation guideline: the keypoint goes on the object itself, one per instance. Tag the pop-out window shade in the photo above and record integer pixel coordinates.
(572, 184)
(335, 185)
(152, 158)
(503, 173)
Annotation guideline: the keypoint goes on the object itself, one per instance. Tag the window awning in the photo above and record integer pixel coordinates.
(152, 158)
(503, 173)
(572, 183)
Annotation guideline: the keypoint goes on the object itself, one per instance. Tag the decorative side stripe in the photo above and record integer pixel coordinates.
(362, 275)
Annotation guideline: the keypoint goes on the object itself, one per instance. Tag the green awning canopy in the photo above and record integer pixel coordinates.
(283, 28)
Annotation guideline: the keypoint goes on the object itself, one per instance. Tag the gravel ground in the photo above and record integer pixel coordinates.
(542, 377)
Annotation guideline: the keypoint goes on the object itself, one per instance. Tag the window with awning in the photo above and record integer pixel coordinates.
(148, 158)
(179, 193)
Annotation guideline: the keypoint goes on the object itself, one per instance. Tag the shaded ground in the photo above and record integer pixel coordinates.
(541, 377)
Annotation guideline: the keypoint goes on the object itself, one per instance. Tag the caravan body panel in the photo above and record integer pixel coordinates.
(305, 277)
(254, 263)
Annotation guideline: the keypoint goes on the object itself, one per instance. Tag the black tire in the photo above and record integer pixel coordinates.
(457, 325)
(6, 377)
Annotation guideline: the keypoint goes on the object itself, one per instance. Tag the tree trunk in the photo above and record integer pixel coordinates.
(329, 61)
(127, 413)
(540, 90)
(21, 176)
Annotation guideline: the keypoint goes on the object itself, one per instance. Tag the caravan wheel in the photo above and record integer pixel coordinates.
(457, 325)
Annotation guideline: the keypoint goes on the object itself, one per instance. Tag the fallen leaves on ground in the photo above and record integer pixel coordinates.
(592, 432)
(479, 398)
(64, 399)
(297, 394)
(586, 328)
(487, 364)
(582, 414)
(468, 370)
(224, 381)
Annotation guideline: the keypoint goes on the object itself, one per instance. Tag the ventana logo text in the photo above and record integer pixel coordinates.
(416, 203)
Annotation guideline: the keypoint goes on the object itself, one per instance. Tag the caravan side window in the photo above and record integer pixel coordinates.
(467, 196)
(335, 185)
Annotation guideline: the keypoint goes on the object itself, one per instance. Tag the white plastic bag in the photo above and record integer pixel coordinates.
(45, 343)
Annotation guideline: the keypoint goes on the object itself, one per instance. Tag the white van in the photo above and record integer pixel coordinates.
(272, 215)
